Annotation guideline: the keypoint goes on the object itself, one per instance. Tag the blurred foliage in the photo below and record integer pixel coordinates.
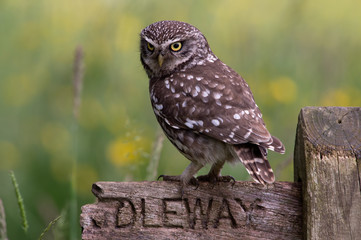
(292, 53)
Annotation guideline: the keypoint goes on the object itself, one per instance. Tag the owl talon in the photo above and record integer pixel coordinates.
(194, 181)
(168, 178)
(227, 179)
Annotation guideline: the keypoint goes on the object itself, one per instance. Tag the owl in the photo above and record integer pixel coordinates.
(204, 107)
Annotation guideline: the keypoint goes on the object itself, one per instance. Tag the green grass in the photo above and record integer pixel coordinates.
(24, 220)
(51, 224)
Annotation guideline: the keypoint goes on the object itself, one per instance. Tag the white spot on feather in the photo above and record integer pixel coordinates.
(155, 99)
(217, 95)
(215, 122)
(159, 106)
(211, 58)
(248, 133)
(188, 124)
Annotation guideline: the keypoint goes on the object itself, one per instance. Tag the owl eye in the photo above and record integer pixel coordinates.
(150, 47)
(175, 47)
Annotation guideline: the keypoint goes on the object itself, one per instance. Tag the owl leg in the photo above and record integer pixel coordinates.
(214, 174)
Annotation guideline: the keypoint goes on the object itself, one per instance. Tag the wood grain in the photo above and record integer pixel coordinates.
(156, 210)
(327, 162)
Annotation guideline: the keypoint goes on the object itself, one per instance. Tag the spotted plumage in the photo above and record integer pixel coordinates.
(204, 107)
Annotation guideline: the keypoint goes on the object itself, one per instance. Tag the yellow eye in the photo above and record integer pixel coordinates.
(150, 47)
(175, 47)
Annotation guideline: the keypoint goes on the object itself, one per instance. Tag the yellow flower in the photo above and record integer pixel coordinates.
(283, 89)
(342, 97)
(122, 152)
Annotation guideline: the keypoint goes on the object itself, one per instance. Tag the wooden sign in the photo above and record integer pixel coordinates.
(156, 210)
(327, 166)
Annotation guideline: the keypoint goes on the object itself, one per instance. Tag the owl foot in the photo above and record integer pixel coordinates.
(214, 179)
(169, 178)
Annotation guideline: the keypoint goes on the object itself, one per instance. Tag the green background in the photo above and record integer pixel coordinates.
(291, 53)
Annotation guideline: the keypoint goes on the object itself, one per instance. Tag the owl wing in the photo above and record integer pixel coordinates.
(214, 100)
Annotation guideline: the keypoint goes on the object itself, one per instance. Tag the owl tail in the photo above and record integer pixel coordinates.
(254, 158)
(274, 144)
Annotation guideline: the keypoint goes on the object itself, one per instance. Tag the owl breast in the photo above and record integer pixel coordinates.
(197, 147)
(182, 103)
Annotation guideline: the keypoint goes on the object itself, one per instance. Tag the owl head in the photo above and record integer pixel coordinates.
(169, 46)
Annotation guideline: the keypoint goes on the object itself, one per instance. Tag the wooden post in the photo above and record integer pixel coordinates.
(328, 163)
(156, 210)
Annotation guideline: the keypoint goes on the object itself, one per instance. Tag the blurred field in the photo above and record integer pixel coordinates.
(292, 54)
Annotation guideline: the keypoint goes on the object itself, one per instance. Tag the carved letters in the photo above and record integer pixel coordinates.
(158, 210)
(194, 213)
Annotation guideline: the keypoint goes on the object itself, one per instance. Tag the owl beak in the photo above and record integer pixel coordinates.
(160, 60)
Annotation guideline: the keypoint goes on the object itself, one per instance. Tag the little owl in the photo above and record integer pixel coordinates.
(204, 107)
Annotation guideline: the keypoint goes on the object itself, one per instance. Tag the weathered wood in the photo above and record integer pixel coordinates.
(328, 163)
(156, 210)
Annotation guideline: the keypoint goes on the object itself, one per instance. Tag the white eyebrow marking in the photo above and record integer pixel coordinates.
(167, 43)
(150, 41)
